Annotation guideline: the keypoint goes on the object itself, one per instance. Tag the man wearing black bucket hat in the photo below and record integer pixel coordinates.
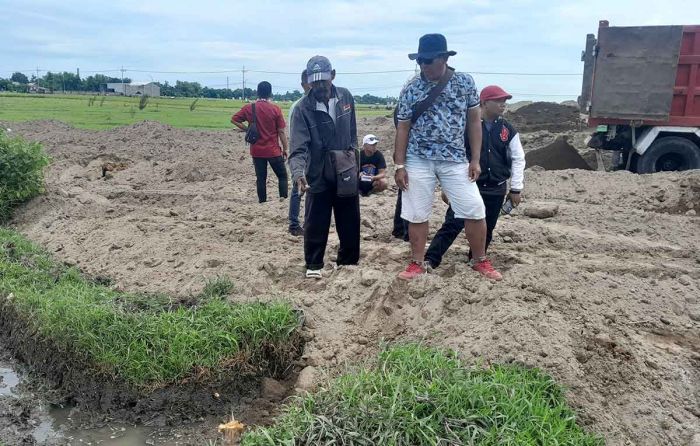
(434, 111)
(324, 163)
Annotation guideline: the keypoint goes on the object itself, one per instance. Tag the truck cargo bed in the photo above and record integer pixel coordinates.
(647, 75)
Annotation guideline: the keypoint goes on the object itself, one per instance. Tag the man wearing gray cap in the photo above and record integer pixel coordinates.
(324, 164)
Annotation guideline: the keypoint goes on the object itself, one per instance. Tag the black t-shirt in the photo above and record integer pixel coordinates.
(370, 165)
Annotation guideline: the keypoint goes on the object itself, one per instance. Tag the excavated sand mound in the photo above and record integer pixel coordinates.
(545, 116)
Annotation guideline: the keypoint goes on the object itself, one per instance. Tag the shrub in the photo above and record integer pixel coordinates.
(143, 102)
(22, 166)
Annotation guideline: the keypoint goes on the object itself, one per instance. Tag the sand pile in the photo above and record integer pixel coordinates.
(545, 116)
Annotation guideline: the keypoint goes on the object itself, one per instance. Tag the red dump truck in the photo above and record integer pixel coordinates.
(641, 93)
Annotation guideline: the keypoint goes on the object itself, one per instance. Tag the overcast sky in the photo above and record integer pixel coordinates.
(154, 37)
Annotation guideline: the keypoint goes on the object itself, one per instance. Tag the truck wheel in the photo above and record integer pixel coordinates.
(670, 153)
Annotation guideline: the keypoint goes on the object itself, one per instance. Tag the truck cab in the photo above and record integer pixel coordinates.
(641, 94)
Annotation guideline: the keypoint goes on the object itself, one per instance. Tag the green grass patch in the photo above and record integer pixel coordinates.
(22, 166)
(113, 111)
(144, 348)
(220, 286)
(415, 395)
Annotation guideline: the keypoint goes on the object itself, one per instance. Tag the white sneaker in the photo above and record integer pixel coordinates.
(313, 274)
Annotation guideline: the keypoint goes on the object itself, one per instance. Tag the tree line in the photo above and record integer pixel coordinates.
(67, 81)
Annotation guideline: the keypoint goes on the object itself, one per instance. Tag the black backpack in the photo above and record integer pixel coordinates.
(252, 135)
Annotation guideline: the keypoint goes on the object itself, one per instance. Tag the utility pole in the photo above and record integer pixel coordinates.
(37, 76)
(123, 90)
(227, 83)
(243, 82)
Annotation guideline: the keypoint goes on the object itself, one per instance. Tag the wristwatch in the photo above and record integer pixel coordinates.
(515, 192)
(398, 167)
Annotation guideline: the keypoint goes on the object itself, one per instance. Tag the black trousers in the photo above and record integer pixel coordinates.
(400, 225)
(317, 222)
(277, 164)
(452, 226)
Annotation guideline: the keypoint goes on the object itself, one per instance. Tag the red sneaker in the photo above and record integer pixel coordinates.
(485, 268)
(413, 270)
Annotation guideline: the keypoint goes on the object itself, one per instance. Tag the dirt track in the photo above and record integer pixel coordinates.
(603, 296)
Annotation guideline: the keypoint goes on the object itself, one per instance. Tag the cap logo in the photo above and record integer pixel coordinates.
(316, 67)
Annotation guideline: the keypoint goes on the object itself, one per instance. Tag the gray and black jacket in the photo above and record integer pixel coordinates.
(313, 134)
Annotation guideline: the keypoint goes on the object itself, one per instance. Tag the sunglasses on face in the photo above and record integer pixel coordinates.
(424, 61)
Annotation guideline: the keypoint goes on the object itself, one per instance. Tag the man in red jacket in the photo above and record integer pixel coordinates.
(270, 124)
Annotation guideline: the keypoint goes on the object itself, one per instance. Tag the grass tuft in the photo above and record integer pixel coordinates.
(145, 348)
(217, 287)
(416, 396)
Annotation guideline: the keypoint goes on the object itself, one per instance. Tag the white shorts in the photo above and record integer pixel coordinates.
(423, 174)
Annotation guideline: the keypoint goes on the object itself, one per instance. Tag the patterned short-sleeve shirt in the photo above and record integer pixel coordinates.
(438, 134)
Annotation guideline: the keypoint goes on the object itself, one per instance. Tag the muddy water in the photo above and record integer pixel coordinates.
(29, 415)
(8, 380)
(24, 418)
(32, 412)
(49, 424)
(111, 435)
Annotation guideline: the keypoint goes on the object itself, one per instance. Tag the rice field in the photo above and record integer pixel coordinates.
(104, 112)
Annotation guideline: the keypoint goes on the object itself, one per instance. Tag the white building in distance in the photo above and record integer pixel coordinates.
(134, 89)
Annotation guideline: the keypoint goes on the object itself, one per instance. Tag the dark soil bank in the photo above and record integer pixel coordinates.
(99, 396)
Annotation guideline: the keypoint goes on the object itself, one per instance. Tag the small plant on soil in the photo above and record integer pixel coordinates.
(415, 395)
(143, 102)
(22, 166)
(144, 348)
(217, 287)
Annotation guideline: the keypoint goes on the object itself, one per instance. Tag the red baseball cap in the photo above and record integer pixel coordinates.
(493, 93)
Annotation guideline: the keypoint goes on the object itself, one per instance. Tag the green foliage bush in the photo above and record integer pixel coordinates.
(22, 166)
